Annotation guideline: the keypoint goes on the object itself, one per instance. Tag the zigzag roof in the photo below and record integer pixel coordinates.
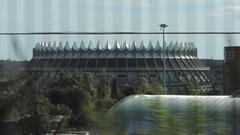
(115, 47)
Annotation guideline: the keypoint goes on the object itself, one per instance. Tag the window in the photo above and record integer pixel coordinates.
(122, 76)
(153, 76)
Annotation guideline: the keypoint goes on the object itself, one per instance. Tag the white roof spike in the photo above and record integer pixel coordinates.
(176, 46)
(44, 47)
(75, 47)
(98, 45)
(74, 42)
(193, 45)
(60, 43)
(150, 47)
(117, 45)
(82, 46)
(40, 46)
(142, 46)
(158, 46)
(45, 44)
(165, 45)
(37, 45)
(49, 47)
(114, 46)
(103, 47)
(90, 45)
(60, 46)
(189, 44)
(67, 46)
(170, 46)
(185, 44)
(108, 46)
(54, 46)
(133, 46)
(182, 46)
(125, 45)
(49, 44)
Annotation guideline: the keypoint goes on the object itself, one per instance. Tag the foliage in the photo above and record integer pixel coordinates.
(83, 103)
(60, 109)
(158, 89)
(191, 89)
(168, 124)
(162, 118)
(198, 120)
(103, 85)
(142, 86)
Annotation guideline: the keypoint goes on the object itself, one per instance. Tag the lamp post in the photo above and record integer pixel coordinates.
(162, 27)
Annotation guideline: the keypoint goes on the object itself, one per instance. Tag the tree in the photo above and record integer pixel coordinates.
(38, 122)
(143, 87)
(103, 86)
(198, 120)
(14, 115)
(158, 89)
(191, 89)
(167, 121)
(161, 117)
(60, 109)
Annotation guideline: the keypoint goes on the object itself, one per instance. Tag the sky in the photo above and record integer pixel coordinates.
(115, 16)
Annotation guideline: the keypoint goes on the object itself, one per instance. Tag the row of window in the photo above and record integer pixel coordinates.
(174, 76)
(125, 76)
(145, 76)
(117, 63)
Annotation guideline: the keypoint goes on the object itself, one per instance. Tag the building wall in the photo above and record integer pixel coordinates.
(231, 69)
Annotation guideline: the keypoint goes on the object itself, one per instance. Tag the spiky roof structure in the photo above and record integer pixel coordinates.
(116, 50)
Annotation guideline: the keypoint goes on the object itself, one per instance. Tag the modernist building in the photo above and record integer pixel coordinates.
(126, 63)
(216, 69)
(231, 69)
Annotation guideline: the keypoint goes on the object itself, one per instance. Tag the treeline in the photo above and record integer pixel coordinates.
(12, 69)
(39, 104)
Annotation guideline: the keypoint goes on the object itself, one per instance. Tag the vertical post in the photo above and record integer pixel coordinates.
(164, 63)
(163, 26)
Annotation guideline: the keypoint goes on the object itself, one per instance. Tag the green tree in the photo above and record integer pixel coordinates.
(158, 89)
(38, 122)
(143, 87)
(167, 121)
(60, 109)
(79, 94)
(14, 115)
(103, 86)
(161, 117)
(198, 119)
(192, 89)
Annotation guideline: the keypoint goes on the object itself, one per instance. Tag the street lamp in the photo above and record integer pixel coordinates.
(162, 27)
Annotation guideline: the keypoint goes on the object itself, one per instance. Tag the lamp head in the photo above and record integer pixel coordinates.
(163, 25)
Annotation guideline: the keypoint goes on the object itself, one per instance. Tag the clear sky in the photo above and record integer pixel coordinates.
(117, 15)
